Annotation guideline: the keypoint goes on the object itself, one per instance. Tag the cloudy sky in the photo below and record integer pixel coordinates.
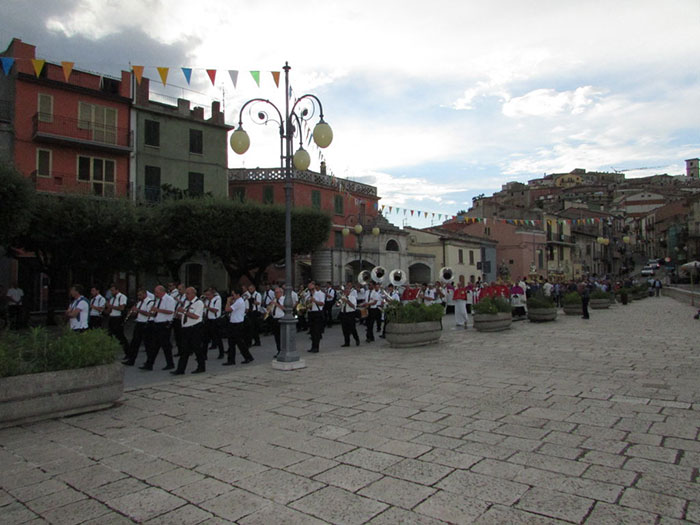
(433, 102)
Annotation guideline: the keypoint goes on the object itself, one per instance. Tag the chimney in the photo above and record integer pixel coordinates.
(198, 113)
(323, 167)
(216, 115)
(183, 106)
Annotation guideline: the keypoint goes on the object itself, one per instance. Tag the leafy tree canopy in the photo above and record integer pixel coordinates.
(16, 202)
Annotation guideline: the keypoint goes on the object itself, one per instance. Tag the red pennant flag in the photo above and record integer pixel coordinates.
(411, 213)
(212, 75)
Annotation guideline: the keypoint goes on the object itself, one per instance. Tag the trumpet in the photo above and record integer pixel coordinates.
(303, 304)
(342, 300)
(269, 308)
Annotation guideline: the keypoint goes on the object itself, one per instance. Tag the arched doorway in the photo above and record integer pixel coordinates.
(419, 273)
(352, 269)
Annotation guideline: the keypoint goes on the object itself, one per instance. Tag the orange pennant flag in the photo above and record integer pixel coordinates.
(276, 77)
(38, 65)
(163, 72)
(138, 73)
(67, 69)
(212, 75)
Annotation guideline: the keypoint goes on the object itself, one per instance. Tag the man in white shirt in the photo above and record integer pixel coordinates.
(362, 295)
(428, 294)
(115, 307)
(254, 300)
(179, 295)
(237, 335)
(348, 306)
(276, 314)
(192, 315)
(393, 296)
(14, 305)
(317, 300)
(374, 303)
(328, 306)
(162, 313)
(78, 310)
(142, 326)
(97, 307)
(212, 319)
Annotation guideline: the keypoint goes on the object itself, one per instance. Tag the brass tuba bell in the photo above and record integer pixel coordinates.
(378, 273)
(446, 274)
(364, 277)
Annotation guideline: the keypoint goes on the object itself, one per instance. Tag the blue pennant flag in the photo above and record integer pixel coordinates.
(187, 71)
(7, 64)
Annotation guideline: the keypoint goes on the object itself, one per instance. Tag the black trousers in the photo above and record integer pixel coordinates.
(254, 319)
(375, 316)
(347, 323)
(191, 339)
(315, 328)
(584, 307)
(328, 313)
(94, 321)
(211, 333)
(276, 331)
(116, 330)
(177, 331)
(302, 323)
(237, 337)
(142, 334)
(161, 339)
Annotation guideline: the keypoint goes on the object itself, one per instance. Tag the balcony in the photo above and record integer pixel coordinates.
(277, 174)
(58, 129)
(559, 238)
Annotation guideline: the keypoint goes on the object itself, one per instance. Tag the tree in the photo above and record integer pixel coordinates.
(16, 203)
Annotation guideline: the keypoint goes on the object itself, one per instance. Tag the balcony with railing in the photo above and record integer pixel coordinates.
(277, 174)
(83, 133)
(559, 238)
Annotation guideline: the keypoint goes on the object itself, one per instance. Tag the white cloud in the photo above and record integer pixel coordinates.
(550, 103)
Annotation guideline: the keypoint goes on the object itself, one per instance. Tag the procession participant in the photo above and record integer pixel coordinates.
(428, 294)
(460, 300)
(449, 297)
(14, 304)
(328, 305)
(212, 313)
(362, 295)
(317, 299)
(268, 296)
(302, 317)
(472, 298)
(439, 294)
(179, 296)
(410, 293)
(374, 303)
(277, 313)
(348, 305)
(393, 297)
(517, 301)
(162, 313)
(97, 307)
(236, 307)
(254, 300)
(78, 311)
(143, 328)
(115, 307)
(192, 313)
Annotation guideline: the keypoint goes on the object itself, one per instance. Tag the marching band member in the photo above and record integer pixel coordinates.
(79, 309)
(428, 294)
(374, 303)
(276, 314)
(317, 300)
(268, 296)
(254, 300)
(212, 314)
(439, 294)
(178, 293)
(115, 307)
(302, 320)
(348, 305)
(97, 307)
(472, 296)
(162, 312)
(393, 296)
(328, 306)
(236, 306)
(460, 300)
(192, 314)
(142, 327)
(362, 297)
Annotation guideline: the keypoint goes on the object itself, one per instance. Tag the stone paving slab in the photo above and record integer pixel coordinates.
(568, 422)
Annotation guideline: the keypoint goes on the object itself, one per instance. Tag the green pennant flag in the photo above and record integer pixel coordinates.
(256, 77)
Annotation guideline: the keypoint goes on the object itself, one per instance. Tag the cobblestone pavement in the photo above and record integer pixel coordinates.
(574, 421)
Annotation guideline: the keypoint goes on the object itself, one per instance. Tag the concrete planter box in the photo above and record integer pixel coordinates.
(48, 395)
(493, 322)
(404, 335)
(541, 315)
(599, 304)
(573, 309)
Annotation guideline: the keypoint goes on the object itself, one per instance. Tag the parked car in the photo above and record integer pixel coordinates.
(648, 270)
(654, 263)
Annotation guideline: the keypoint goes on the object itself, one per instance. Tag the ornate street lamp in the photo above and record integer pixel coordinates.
(358, 229)
(289, 124)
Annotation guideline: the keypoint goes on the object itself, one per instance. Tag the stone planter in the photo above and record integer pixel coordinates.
(404, 335)
(493, 322)
(541, 315)
(599, 304)
(573, 309)
(48, 395)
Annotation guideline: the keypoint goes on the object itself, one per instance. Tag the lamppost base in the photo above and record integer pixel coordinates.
(288, 365)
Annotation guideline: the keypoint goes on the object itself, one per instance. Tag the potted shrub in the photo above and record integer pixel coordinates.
(413, 324)
(45, 376)
(599, 300)
(492, 314)
(541, 308)
(572, 304)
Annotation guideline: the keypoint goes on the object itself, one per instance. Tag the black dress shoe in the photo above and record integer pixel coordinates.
(176, 355)
(383, 337)
(369, 340)
(177, 372)
(145, 367)
(246, 361)
(198, 371)
(314, 350)
(168, 367)
(344, 346)
(221, 356)
(229, 363)
(128, 362)
(357, 343)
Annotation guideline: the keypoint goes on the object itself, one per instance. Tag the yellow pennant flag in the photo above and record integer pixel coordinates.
(38, 65)
(67, 69)
(138, 73)
(163, 72)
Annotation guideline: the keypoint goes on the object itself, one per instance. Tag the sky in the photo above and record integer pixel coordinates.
(432, 102)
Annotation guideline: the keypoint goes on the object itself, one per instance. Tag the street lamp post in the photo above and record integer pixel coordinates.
(358, 229)
(288, 357)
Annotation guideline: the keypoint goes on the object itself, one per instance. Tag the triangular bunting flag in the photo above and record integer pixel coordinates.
(439, 216)
(382, 207)
(425, 214)
(67, 69)
(212, 75)
(276, 77)
(234, 76)
(38, 65)
(187, 71)
(411, 213)
(138, 73)
(390, 209)
(7, 64)
(256, 77)
(163, 72)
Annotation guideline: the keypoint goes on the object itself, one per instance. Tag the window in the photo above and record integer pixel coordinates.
(338, 238)
(152, 184)
(45, 108)
(152, 133)
(316, 199)
(588, 249)
(338, 200)
(238, 194)
(561, 253)
(460, 253)
(100, 121)
(487, 231)
(268, 195)
(196, 141)
(195, 184)
(100, 173)
(540, 259)
(471, 257)
(193, 276)
(43, 162)
(392, 246)
(550, 255)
